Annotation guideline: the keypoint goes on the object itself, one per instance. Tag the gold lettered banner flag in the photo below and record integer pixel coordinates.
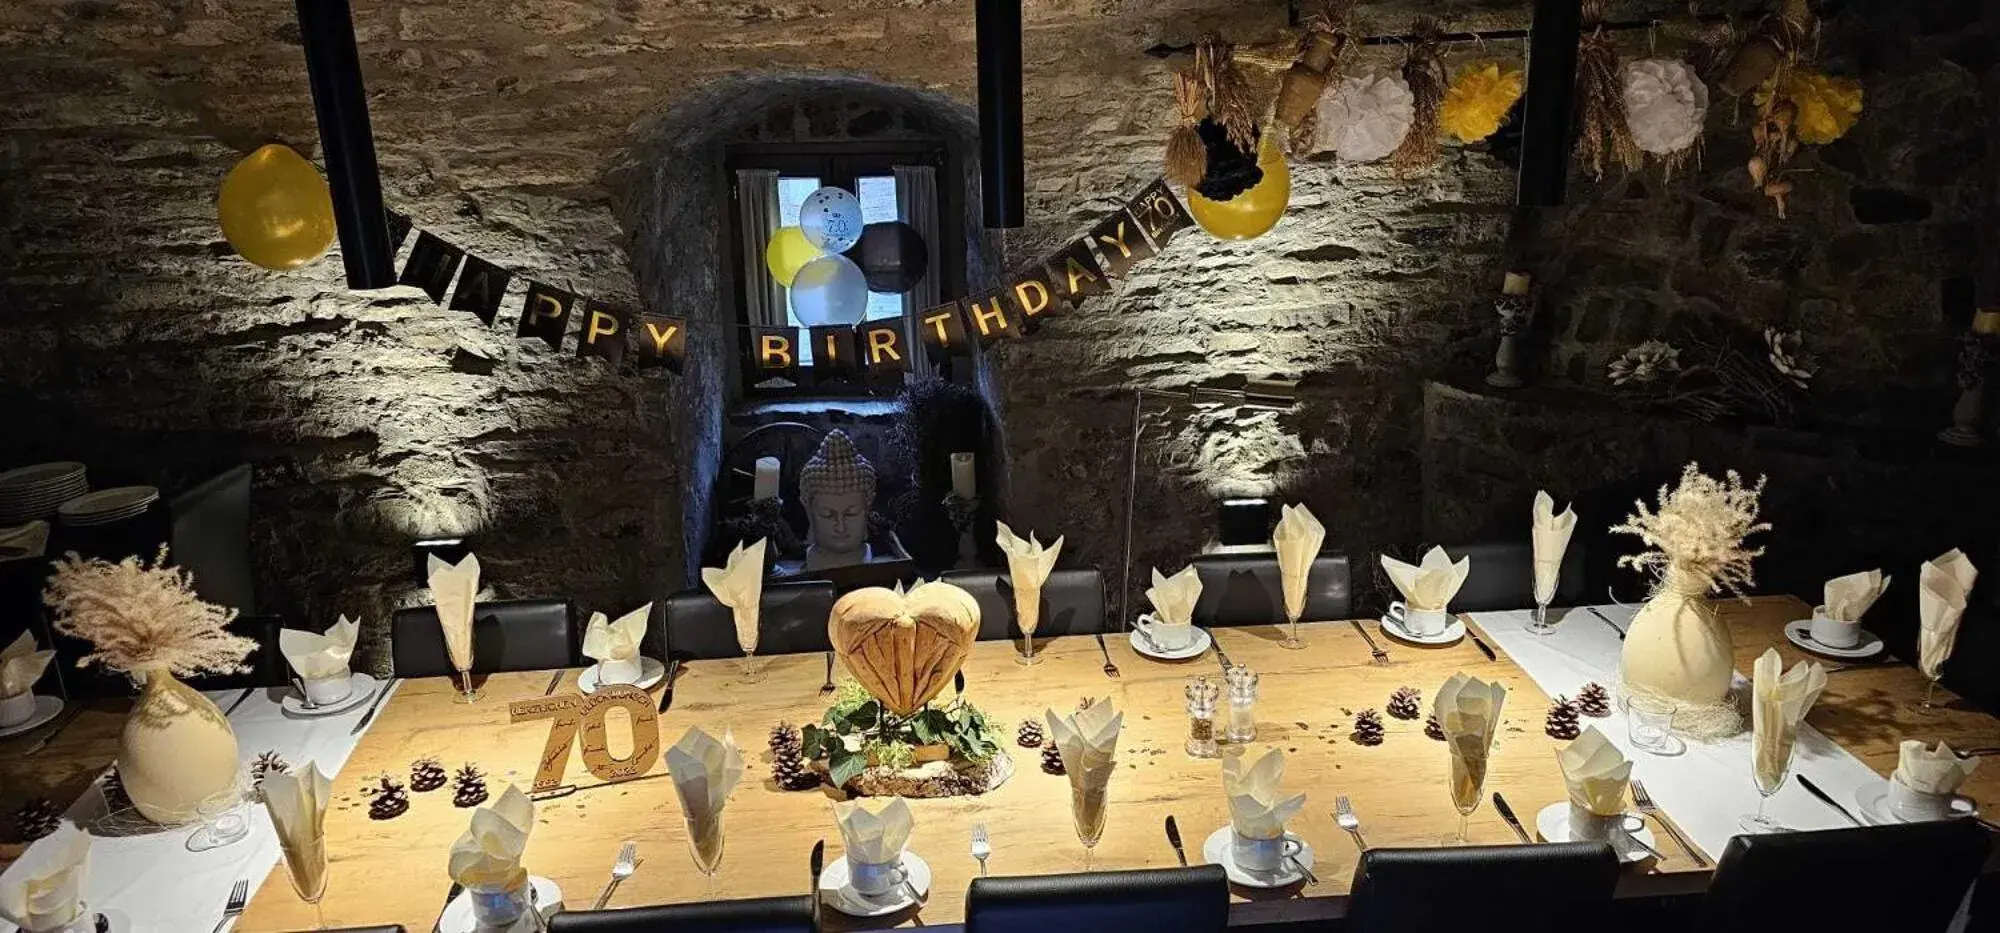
(431, 265)
(663, 339)
(546, 313)
(774, 351)
(1123, 246)
(603, 333)
(834, 353)
(1076, 275)
(990, 318)
(1031, 297)
(1159, 214)
(943, 331)
(884, 348)
(480, 288)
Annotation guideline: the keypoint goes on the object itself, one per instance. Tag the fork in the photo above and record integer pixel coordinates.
(1645, 803)
(1343, 814)
(982, 847)
(827, 687)
(1110, 669)
(628, 862)
(239, 897)
(1374, 650)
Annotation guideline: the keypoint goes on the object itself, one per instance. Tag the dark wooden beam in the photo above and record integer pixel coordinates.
(333, 67)
(1002, 169)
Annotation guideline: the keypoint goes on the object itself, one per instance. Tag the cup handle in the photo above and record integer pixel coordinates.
(1961, 806)
(1290, 848)
(1400, 611)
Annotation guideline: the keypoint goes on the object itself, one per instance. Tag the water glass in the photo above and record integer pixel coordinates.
(1650, 725)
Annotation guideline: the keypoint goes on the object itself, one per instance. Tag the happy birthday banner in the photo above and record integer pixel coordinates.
(868, 350)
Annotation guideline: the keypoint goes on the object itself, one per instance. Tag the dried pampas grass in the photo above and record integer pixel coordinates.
(1698, 530)
(1604, 133)
(1187, 159)
(1423, 71)
(140, 615)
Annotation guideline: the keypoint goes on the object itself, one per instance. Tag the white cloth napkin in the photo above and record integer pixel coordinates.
(44, 890)
(1087, 740)
(1551, 537)
(1028, 567)
(1848, 598)
(1432, 584)
(489, 853)
(739, 584)
(705, 769)
(1943, 585)
(21, 665)
(297, 802)
(1296, 539)
(321, 656)
(1936, 770)
(874, 833)
(1779, 701)
(24, 542)
(455, 591)
(1468, 709)
(1173, 598)
(1257, 809)
(605, 640)
(1596, 772)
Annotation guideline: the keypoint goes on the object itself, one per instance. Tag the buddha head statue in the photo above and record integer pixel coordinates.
(837, 488)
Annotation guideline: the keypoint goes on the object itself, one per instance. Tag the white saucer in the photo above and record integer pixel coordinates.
(650, 672)
(1800, 634)
(361, 687)
(1454, 629)
(1873, 800)
(1220, 849)
(835, 892)
(1552, 824)
(1194, 648)
(457, 916)
(46, 708)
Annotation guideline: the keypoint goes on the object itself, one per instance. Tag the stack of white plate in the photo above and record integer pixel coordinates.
(108, 505)
(35, 491)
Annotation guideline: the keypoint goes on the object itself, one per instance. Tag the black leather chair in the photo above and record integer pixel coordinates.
(1502, 576)
(1561, 886)
(791, 620)
(211, 539)
(1909, 878)
(1072, 602)
(1246, 589)
(758, 915)
(1160, 900)
(520, 635)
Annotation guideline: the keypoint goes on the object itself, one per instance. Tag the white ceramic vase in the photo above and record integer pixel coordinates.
(1676, 646)
(177, 751)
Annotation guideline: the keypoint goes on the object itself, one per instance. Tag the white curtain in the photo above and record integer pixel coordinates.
(757, 218)
(917, 205)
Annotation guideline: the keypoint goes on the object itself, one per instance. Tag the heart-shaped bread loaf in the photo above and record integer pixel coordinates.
(904, 648)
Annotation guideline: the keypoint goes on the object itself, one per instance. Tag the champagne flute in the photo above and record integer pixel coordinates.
(1027, 615)
(1292, 640)
(1468, 781)
(1541, 624)
(1930, 707)
(1769, 771)
(753, 669)
(1087, 810)
(705, 844)
(306, 866)
(466, 692)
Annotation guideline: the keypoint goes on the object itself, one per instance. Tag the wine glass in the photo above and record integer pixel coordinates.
(705, 844)
(1087, 810)
(1292, 639)
(1468, 781)
(306, 866)
(467, 694)
(1930, 706)
(1769, 769)
(1541, 624)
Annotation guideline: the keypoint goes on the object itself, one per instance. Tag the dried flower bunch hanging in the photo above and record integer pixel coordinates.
(1324, 41)
(1478, 100)
(1187, 159)
(1604, 134)
(140, 615)
(1698, 531)
(1227, 93)
(1423, 71)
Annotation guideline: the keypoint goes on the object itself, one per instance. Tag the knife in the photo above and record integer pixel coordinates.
(1601, 617)
(1814, 790)
(817, 863)
(61, 721)
(1507, 813)
(1477, 641)
(449, 896)
(667, 692)
(1219, 655)
(381, 694)
(554, 680)
(1174, 839)
(245, 695)
(565, 790)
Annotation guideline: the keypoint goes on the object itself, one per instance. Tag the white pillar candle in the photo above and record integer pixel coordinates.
(767, 479)
(963, 484)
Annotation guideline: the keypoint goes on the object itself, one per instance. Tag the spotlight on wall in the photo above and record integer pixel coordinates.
(1244, 522)
(449, 550)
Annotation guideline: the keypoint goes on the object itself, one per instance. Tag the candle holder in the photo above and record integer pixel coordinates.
(1242, 704)
(1969, 412)
(1513, 308)
(1201, 697)
(964, 512)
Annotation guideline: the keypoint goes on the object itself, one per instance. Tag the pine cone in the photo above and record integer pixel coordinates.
(784, 738)
(36, 818)
(388, 799)
(1029, 735)
(1052, 759)
(468, 787)
(427, 774)
(1367, 728)
(1594, 701)
(113, 788)
(1405, 703)
(788, 765)
(1433, 729)
(1561, 723)
(267, 764)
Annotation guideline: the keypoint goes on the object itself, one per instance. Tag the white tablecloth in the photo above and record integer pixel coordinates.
(154, 881)
(1706, 789)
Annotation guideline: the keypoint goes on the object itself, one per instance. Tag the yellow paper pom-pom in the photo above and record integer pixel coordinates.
(1478, 99)
(1827, 106)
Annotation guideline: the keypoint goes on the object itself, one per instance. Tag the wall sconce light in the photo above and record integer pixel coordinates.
(449, 550)
(1244, 522)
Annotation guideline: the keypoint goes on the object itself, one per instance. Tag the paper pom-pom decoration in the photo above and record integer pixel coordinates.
(1827, 106)
(1665, 104)
(1364, 118)
(1478, 100)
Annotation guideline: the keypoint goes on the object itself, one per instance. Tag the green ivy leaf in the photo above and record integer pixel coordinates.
(810, 739)
(845, 766)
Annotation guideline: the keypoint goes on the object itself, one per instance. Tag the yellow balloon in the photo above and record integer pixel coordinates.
(275, 209)
(1255, 211)
(788, 252)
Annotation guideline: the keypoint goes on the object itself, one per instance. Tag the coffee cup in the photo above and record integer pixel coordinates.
(17, 709)
(1834, 633)
(1911, 805)
(874, 879)
(626, 671)
(1420, 622)
(326, 690)
(1167, 636)
(1586, 826)
(1263, 855)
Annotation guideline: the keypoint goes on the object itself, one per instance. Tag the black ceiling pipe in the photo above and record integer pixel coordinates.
(1002, 174)
(1548, 105)
(333, 66)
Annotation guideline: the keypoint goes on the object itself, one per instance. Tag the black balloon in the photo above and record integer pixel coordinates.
(892, 256)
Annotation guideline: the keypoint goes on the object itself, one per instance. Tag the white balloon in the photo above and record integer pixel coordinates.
(831, 219)
(830, 290)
